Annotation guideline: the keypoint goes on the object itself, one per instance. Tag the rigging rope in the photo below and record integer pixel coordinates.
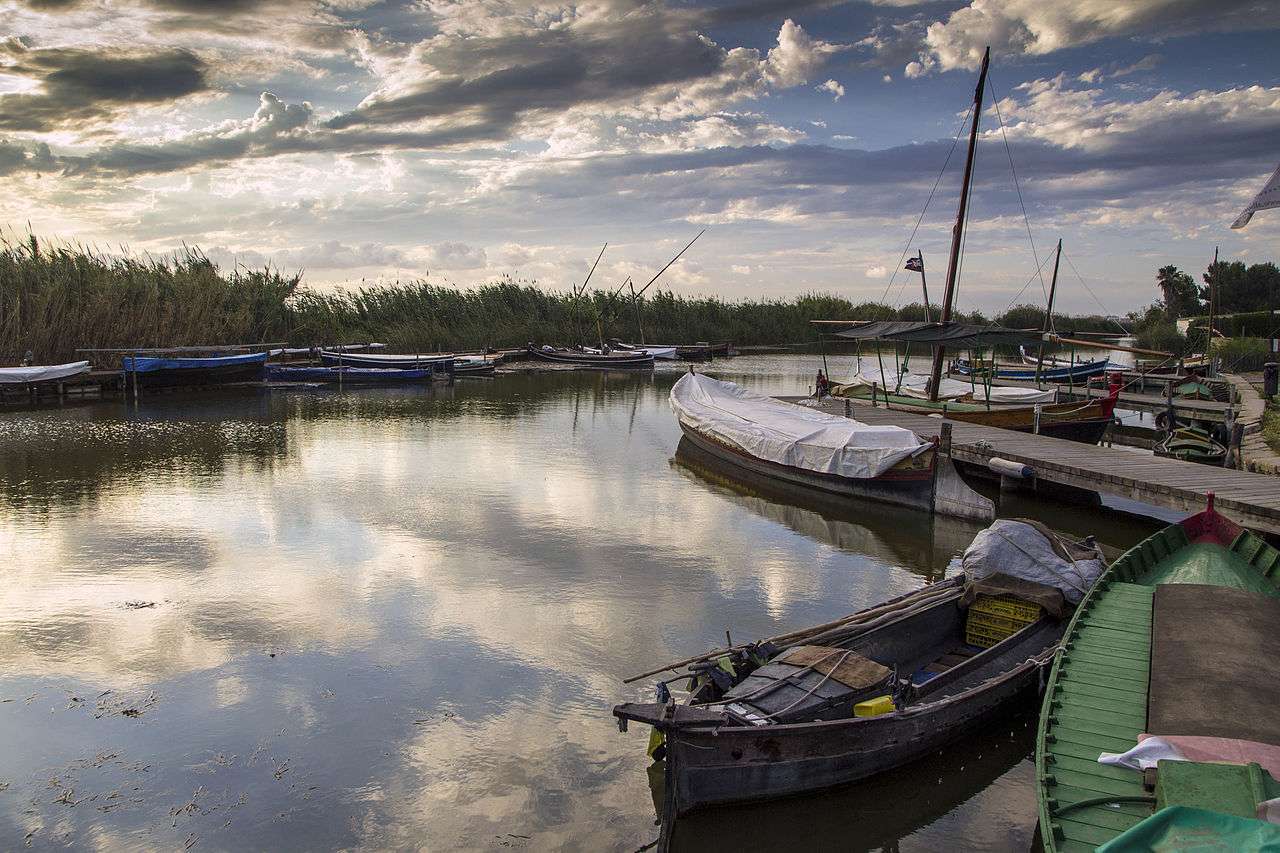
(954, 142)
(1108, 314)
(1035, 256)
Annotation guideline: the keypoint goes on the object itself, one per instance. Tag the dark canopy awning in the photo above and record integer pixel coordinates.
(954, 335)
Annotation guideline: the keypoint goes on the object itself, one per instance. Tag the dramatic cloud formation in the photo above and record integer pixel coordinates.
(459, 140)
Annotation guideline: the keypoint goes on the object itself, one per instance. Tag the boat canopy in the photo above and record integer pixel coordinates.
(788, 434)
(949, 334)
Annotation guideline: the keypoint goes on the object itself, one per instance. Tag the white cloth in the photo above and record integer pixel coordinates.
(1019, 550)
(41, 372)
(1144, 755)
(781, 432)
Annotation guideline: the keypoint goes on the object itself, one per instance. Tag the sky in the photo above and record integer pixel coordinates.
(366, 142)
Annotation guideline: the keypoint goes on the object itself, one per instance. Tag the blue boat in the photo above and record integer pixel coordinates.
(150, 372)
(1079, 372)
(352, 375)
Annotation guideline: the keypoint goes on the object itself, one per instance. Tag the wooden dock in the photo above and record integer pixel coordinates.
(1250, 499)
(1201, 410)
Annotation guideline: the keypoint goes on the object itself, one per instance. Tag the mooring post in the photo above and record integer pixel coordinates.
(944, 442)
(873, 394)
(848, 408)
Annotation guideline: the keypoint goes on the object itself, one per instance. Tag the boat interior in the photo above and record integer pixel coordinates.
(921, 656)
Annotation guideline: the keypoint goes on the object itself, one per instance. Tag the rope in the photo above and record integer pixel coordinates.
(1035, 256)
(1108, 314)
(954, 142)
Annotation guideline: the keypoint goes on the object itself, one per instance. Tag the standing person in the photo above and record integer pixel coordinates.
(821, 386)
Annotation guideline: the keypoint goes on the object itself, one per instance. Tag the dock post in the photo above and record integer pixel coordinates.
(873, 394)
(1036, 414)
(848, 408)
(1170, 422)
(944, 439)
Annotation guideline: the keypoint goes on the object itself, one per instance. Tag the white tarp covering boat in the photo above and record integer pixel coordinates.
(787, 434)
(41, 372)
(917, 385)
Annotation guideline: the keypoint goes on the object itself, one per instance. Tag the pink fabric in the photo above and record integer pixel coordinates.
(1225, 749)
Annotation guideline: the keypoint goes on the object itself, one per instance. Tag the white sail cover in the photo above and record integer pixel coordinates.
(1268, 198)
(787, 434)
(41, 372)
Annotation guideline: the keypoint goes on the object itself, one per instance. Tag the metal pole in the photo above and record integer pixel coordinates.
(957, 231)
(1213, 304)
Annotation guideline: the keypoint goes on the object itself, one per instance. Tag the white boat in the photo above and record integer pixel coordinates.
(41, 372)
(917, 386)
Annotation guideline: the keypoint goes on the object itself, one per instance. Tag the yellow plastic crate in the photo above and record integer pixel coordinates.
(984, 637)
(873, 707)
(1006, 606)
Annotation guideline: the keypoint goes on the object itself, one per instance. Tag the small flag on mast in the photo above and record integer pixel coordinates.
(1268, 198)
(915, 265)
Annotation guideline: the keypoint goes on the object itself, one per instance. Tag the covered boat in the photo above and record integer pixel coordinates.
(1077, 372)
(152, 372)
(848, 699)
(384, 361)
(811, 448)
(614, 360)
(35, 373)
(916, 386)
(661, 352)
(477, 365)
(1162, 700)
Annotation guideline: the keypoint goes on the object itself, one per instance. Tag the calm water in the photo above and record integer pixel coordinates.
(390, 619)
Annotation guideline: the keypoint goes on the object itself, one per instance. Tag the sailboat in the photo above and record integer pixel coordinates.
(1086, 422)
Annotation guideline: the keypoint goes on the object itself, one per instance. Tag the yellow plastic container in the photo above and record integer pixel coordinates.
(1006, 606)
(874, 707)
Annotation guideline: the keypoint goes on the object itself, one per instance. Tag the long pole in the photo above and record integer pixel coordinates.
(957, 231)
(635, 303)
(1048, 315)
(924, 285)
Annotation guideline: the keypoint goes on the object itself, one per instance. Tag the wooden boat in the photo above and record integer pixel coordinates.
(581, 358)
(1192, 444)
(846, 700)
(37, 373)
(153, 372)
(473, 366)
(1027, 373)
(805, 447)
(385, 362)
(353, 375)
(1175, 640)
(694, 352)
(661, 352)
(1085, 422)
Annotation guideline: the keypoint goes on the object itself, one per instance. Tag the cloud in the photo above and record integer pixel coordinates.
(1035, 28)
(797, 57)
(80, 87)
(327, 255)
(876, 271)
(832, 87)
(1115, 69)
(456, 256)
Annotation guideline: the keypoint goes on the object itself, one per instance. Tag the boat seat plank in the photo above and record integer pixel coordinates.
(843, 665)
(1214, 672)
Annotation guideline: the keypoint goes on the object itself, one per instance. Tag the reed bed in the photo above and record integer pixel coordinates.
(55, 299)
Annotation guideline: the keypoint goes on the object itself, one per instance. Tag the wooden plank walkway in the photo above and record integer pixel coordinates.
(1250, 499)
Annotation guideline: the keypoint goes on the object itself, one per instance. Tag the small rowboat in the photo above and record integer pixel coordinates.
(352, 375)
(385, 362)
(150, 372)
(36, 373)
(473, 366)
(1192, 444)
(581, 358)
(846, 700)
(1174, 641)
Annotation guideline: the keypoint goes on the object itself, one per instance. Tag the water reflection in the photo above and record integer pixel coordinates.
(381, 618)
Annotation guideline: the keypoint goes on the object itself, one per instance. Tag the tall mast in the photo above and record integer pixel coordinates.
(1048, 315)
(957, 231)
(1213, 304)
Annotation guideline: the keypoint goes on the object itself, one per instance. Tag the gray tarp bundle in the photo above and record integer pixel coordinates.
(1026, 560)
(950, 334)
